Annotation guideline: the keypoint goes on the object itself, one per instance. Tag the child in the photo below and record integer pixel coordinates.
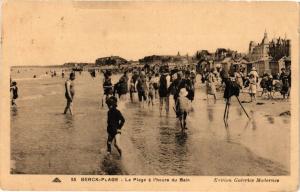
(252, 87)
(264, 84)
(184, 107)
(14, 90)
(115, 122)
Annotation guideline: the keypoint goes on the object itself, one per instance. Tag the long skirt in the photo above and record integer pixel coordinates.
(210, 88)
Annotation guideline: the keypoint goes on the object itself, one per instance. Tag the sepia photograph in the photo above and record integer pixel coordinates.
(151, 88)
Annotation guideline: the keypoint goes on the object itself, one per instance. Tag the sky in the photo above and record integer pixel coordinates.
(53, 32)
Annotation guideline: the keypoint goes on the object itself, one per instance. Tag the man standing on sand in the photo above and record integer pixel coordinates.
(70, 92)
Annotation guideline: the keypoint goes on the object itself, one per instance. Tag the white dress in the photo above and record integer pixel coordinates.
(184, 104)
(252, 86)
(211, 84)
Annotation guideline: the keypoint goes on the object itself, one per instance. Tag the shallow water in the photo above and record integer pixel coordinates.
(44, 141)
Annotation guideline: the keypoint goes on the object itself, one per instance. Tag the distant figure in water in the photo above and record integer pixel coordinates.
(70, 92)
(34, 76)
(151, 92)
(62, 74)
(93, 73)
(142, 88)
(14, 91)
(107, 86)
(115, 122)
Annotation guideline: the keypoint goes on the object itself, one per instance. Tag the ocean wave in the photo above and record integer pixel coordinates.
(31, 78)
(31, 97)
(52, 93)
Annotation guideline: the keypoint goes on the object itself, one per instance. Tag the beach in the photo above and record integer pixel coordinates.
(45, 141)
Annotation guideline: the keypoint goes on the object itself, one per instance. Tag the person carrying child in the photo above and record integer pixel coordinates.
(115, 122)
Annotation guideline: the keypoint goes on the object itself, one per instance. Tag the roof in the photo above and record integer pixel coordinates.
(265, 40)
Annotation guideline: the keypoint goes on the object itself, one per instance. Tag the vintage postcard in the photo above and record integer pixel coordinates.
(149, 96)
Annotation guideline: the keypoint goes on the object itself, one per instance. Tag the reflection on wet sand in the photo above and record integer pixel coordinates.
(14, 111)
(53, 143)
(210, 112)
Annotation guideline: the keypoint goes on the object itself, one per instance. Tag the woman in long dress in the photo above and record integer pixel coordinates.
(211, 84)
(252, 87)
(285, 83)
(239, 78)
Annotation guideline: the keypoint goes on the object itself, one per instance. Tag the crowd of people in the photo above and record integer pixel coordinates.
(249, 83)
(150, 84)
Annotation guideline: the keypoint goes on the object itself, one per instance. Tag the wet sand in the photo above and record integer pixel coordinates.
(44, 141)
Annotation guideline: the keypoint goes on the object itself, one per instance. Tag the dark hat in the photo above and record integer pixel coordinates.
(108, 73)
(112, 101)
(72, 74)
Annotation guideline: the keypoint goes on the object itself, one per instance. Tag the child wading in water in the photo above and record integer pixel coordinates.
(115, 122)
